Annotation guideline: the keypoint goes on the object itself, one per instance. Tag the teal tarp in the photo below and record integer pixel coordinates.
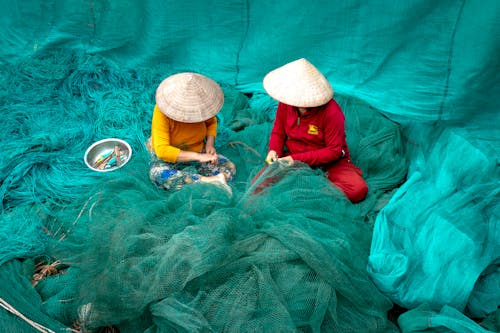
(432, 67)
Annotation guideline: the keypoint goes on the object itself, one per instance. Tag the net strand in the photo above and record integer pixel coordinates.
(35, 325)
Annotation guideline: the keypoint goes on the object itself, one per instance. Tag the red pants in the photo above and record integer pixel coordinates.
(348, 178)
(343, 173)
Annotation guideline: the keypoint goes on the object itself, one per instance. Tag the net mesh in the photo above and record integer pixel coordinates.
(92, 251)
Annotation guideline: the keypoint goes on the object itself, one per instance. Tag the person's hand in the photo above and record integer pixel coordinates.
(209, 145)
(204, 157)
(210, 149)
(272, 157)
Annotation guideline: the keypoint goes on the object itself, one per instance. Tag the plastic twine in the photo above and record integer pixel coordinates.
(12, 310)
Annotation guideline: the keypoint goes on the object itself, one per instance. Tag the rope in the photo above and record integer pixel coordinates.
(233, 143)
(38, 327)
(242, 42)
(450, 58)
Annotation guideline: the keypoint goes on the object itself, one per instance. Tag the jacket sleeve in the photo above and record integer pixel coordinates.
(278, 136)
(211, 126)
(334, 138)
(160, 137)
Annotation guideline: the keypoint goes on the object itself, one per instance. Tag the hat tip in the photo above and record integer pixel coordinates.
(298, 83)
(302, 60)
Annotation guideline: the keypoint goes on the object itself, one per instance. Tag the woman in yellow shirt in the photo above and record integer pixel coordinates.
(183, 131)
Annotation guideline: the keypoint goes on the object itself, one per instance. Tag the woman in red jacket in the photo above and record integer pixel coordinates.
(309, 126)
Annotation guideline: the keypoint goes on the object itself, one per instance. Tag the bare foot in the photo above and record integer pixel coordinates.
(218, 180)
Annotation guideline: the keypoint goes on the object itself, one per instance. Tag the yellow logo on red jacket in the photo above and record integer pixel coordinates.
(313, 130)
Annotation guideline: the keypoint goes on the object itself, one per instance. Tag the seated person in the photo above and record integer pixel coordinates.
(183, 133)
(309, 126)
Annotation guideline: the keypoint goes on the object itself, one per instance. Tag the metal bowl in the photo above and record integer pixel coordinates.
(107, 155)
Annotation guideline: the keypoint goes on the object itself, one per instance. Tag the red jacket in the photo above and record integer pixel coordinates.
(316, 138)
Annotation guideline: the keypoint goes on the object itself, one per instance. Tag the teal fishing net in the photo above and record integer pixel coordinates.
(91, 251)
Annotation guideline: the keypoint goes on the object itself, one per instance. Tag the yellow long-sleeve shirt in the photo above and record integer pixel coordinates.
(169, 137)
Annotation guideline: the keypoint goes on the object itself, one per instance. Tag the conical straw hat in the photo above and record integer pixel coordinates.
(299, 84)
(189, 97)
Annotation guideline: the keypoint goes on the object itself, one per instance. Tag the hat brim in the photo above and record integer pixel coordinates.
(189, 97)
(299, 84)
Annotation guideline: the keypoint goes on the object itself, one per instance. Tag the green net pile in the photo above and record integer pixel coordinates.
(90, 252)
